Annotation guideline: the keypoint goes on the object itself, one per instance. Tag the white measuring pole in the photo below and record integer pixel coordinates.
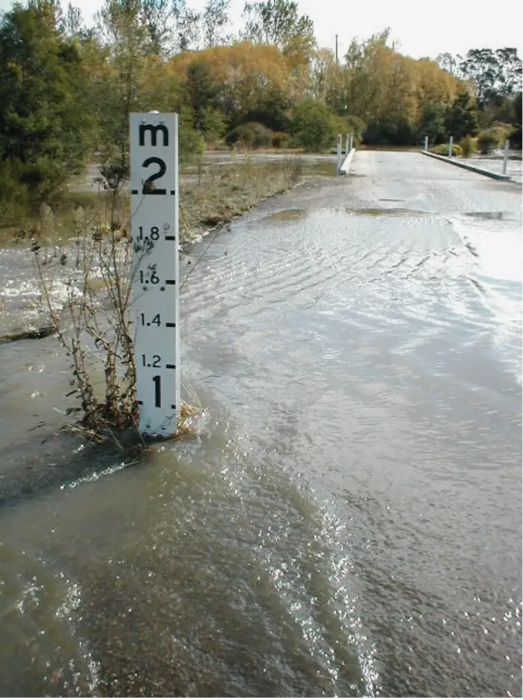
(451, 140)
(347, 144)
(426, 143)
(505, 156)
(338, 155)
(155, 286)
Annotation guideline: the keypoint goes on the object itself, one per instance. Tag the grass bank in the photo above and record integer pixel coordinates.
(216, 195)
(209, 196)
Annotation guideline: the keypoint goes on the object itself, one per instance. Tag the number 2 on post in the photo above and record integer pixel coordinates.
(148, 185)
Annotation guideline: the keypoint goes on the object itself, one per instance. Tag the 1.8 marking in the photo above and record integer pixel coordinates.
(154, 234)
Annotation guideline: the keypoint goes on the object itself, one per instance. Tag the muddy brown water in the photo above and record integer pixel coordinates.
(348, 519)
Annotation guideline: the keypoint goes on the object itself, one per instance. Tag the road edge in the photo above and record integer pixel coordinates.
(344, 170)
(466, 166)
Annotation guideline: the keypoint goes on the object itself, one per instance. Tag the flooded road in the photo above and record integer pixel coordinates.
(348, 520)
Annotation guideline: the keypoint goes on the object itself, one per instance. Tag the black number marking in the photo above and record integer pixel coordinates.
(156, 320)
(157, 391)
(153, 279)
(155, 233)
(155, 361)
(148, 185)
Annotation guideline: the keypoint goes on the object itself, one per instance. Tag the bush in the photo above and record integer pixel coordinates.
(488, 140)
(313, 125)
(443, 150)
(469, 146)
(14, 194)
(281, 140)
(351, 124)
(250, 135)
(190, 142)
(495, 137)
(397, 131)
(213, 125)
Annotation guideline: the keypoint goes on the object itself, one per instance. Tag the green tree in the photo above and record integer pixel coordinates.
(313, 125)
(495, 74)
(190, 142)
(215, 21)
(432, 123)
(516, 136)
(278, 22)
(448, 62)
(461, 118)
(72, 23)
(44, 114)
(214, 125)
(201, 92)
(187, 26)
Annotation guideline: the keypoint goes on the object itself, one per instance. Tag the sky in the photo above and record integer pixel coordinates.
(419, 29)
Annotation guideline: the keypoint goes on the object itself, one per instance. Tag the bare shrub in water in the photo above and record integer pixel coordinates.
(93, 275)
(86, 283)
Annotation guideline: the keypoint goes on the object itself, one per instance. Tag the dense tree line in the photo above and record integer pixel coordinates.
(67, 88)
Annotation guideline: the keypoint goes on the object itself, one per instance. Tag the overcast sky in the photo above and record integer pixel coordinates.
(421, 29)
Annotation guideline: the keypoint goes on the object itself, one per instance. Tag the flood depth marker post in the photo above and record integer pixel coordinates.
(155, 269)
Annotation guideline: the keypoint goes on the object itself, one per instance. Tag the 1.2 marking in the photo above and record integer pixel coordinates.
(155, 362)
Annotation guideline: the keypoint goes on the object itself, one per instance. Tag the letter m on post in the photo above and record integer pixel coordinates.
(153, 129)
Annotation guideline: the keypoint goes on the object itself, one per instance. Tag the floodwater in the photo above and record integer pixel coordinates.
(348, 520)
(495, 164)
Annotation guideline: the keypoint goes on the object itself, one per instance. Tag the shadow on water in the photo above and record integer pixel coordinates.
(54, 460)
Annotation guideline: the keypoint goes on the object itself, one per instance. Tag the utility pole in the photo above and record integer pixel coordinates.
(336, 49)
